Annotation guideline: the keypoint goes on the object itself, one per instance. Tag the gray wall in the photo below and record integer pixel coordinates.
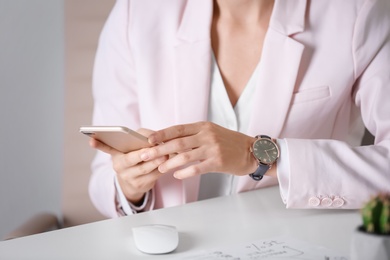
(31, 109)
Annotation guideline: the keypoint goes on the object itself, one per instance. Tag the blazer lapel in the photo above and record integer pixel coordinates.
(279, 66)
(192, 52)
(192, 63)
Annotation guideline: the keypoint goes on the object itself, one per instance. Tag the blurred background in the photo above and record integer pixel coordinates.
(47, 50)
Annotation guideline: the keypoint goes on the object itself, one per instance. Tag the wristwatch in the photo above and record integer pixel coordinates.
(266, 152)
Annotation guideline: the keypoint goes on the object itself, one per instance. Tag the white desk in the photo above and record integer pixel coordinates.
(206, 224)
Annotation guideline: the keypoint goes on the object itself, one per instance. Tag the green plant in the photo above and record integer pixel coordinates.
(376, 214)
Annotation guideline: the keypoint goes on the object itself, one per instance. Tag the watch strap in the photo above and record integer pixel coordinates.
(260, 171)
(264, 136)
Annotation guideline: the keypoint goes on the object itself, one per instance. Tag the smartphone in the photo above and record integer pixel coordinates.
(120, 138)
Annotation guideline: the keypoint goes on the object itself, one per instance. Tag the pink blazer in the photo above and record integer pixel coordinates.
(322, 64)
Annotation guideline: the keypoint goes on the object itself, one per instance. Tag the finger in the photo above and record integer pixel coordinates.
(181, 159)
(173, 132)
(193, 170)
(123, 161)
(94, 143)
(146, 181)
(170, 147)
(146, 168)
(131, 163)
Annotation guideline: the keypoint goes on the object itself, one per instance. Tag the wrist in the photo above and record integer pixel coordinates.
(252, 160)
(136, 199)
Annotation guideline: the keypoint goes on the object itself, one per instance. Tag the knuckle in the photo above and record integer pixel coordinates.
(194, 170)
(207, 126)
(127, 160)
(159, 135)
(160, 160)
(213, 138)
(180, 144)
(180, 130)
(153, 152)
(116, 165)
(142, 169)
(157, 162)
(185, 157)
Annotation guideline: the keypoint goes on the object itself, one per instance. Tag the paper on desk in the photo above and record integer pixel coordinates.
(278, 248)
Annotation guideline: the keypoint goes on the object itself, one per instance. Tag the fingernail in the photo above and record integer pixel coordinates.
(152, 139)
(161, 169)
(144, 156)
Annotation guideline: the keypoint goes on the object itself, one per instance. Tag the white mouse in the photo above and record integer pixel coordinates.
(156, 239)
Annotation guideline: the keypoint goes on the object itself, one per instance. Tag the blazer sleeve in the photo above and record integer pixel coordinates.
(331, 169)
(115, 100)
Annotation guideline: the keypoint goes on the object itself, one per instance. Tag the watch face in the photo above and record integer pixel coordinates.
(265, 151)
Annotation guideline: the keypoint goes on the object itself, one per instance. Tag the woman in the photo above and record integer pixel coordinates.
(202, 78)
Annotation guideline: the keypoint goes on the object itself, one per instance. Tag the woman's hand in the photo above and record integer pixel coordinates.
(201, 148)
(135, 176)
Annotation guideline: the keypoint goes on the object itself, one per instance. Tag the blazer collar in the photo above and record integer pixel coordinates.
(288, 16)
(196, 21)
(192, 61)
